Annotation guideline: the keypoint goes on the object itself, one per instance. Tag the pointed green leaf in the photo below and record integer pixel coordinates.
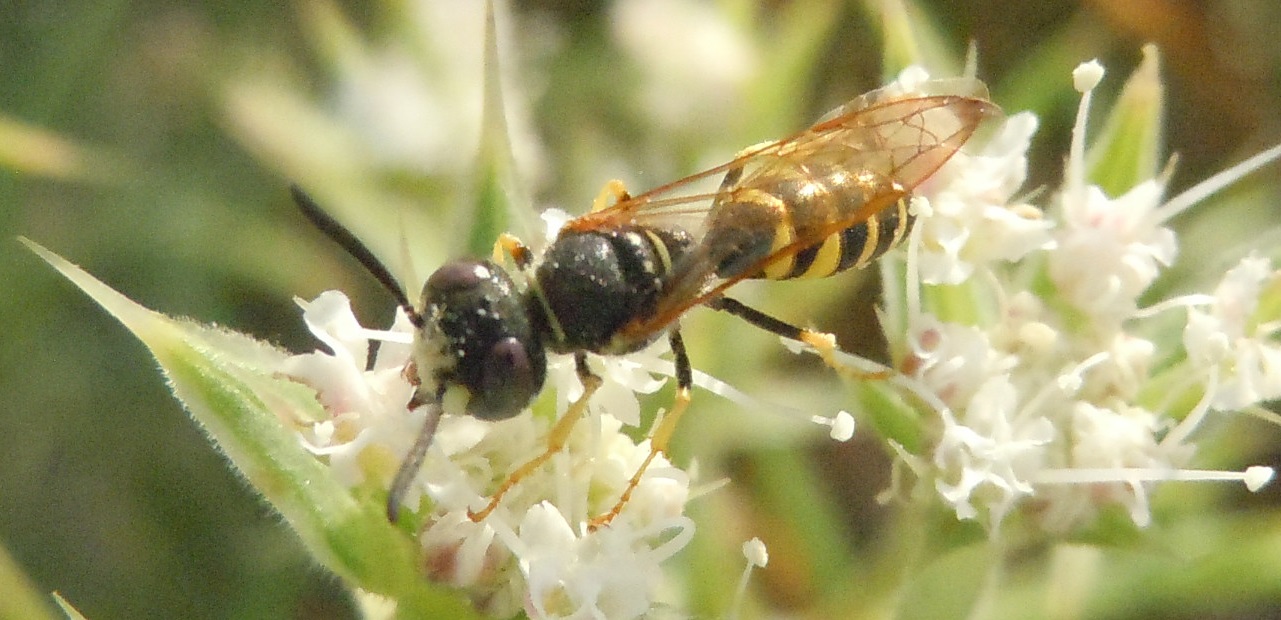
(911, 38)
(21, 598)
(230, 385)
(67, 608)
(1129, 149)
(499, 203)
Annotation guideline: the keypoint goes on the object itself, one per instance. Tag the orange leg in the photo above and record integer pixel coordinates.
(556, 440)
(663, 429)
(657, 443)
(509, 245)
(825, 345)
(613, 193)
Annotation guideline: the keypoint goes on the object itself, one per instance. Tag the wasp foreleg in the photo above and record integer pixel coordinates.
(613, 193)
(556, 438)
(510, 245)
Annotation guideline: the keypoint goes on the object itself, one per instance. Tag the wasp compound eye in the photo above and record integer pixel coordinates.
(509, 380)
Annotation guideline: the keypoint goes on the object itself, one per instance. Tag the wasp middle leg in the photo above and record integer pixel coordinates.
(663, 429)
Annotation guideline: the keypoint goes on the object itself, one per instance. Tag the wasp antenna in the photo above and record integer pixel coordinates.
(348, 241)
(413, 461)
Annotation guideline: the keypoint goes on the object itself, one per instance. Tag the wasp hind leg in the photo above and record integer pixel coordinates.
(824, 344)
(663, 429)
(556, 438)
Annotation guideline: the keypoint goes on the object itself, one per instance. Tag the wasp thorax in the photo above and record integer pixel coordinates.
(478, 336)
(593, 283)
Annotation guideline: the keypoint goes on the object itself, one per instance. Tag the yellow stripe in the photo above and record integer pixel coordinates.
(901, 230)
(779, 269)
(826, 260)
(784, 232)
(663, 256)
(873, 226)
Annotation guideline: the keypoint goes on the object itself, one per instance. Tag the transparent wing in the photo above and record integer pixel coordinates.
(898, 139)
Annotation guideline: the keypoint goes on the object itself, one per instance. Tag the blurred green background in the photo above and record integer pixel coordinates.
(121, 155)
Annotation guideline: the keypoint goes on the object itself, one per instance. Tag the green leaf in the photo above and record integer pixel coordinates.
(1128, 150)
(953, 585)
(790, 38)
(230, 385)
(34, 151)
(893, 418)
(21, 598)
(499, 203)
(911, 38)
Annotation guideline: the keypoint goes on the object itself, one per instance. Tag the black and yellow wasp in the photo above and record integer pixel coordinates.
(832, 197)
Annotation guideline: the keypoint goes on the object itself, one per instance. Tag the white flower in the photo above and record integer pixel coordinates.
(992, 454)
(1034, 372)
(1227, 336)
(1109, 251)
(552, 568)
(367, 408)
(625, 377)
(953, 360)
(972, 222)
(611, 573)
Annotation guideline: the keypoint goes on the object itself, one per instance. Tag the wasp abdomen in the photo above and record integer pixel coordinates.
(776, 206)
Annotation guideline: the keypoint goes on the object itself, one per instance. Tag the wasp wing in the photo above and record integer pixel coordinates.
(894, 140)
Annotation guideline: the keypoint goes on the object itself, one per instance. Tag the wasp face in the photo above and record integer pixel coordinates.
(477, 336)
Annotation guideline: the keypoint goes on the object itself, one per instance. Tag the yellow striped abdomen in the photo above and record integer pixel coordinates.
(780, 206)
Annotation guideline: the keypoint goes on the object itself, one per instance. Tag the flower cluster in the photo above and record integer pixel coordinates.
(535, 551)
(1025, 332)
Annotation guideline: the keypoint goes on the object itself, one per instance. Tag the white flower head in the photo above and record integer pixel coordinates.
(1035, 372)
(952, 360)
(610, 573)
(534, 550)
(1228, 337)
(972, 223)
(992, 454)
(1108, 251)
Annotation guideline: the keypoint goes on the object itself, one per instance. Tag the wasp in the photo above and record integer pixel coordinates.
(832, 197)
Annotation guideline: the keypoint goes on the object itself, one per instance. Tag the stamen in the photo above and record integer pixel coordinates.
(1182, 301)
(842, 425)
(1194, 417)
(757, 557)
(1071, 380)
(1212, 185)
(1254, 477)
(1084, 78)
